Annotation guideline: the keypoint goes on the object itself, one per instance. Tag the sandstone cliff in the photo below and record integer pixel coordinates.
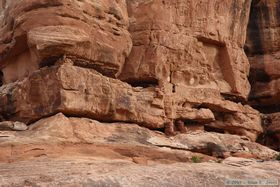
(181, 62)
(125, 82)
(263, 51)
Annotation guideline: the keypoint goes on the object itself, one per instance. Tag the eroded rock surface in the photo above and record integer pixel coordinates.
(184, 60)
(263, 51)
(189, 43)
(56, 148)
(36, 33)
(98, 82)
(271, 135)
(83, 171)
(10, 125)
(57, 89)
(58, 129)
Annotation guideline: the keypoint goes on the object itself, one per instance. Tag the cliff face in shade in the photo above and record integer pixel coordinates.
(263, 27)
(263, 46)
(263, 50)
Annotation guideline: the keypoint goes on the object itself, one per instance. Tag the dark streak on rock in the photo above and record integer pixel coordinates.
(254, 34)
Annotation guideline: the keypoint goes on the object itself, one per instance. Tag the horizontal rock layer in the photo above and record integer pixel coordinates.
(117, 154)
(84, 171)
(60, 130)
(57, 89)
(36, 33)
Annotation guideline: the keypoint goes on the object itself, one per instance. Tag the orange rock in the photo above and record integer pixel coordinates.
(183, 60)
(140, 160)
(93, 95)
(189, 43)
(38, 32)
(181, 126)
(169, 129)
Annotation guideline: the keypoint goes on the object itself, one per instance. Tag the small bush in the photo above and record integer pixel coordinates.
(196, 159)
(278, 157)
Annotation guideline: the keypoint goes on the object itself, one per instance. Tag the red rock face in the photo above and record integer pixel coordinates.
(271, 135)
(184, 60)
(37, 33)
(97, 90)
(263, 46)
(57, 89)
(189, 43)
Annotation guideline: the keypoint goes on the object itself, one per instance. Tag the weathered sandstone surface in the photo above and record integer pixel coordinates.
(57, 89)
(190, 44)
(59, 130)
(271, 135)
(36, 33)
(263, 46)
(84, 171)
(263, 51)
(58, 148)
(87, 89)
(182, 63)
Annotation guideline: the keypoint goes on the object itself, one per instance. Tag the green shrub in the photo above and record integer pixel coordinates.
(278, 157)
(196, 159)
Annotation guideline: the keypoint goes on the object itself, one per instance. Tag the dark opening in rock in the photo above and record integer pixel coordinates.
(144, 84)
(213, 129)
(50, 61)
(1, 78)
